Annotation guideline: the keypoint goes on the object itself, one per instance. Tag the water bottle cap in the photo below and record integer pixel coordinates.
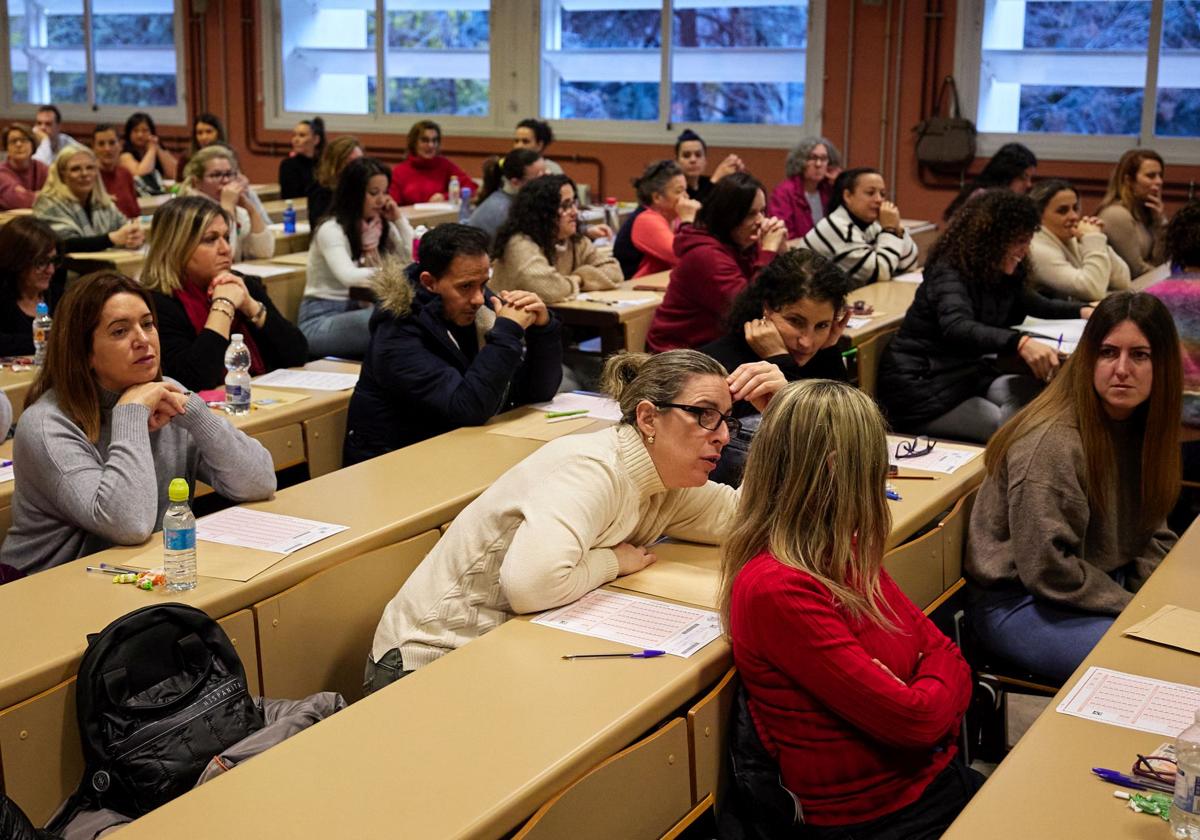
(235, 337)
(466, 192)
(43, 308)
(179, 490)
(290, 204)
(610, 200)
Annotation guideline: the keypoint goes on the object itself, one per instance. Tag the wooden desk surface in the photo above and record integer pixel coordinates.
(299, 258)
(1152, 276)
(652, 282)
(266, 192)
(1050, 767)
(428, 217)
(891, 300)
(15, 385)
(120, 259)
(276, 207)
(592, 312)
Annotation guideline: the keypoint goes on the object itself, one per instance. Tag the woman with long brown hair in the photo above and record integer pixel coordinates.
(103, 434)
(1132, 209)
(850, 688)
(1071, 518)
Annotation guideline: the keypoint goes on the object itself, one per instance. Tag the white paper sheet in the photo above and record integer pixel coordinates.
(942, 459)
(912, 277)
(1048, 332)
(313, 380)
(641, 622)
(6, 473)
(620, 302)
(440, 206)
(856, 323)
(1133, 702)
(262, 530)
(301, 227)
(262, 269)
(598, 407)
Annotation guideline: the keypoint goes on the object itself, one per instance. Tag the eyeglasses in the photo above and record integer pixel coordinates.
(46, 262)
(19, 139)
(708, 418)
(818, 158)
(1146, 768)
(223, 175)
(568, 206)
(913, 449)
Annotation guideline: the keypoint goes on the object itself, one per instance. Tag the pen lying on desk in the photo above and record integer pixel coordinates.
(1117, 778)
(645, 654)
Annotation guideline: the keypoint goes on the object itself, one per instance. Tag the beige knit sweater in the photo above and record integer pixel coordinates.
(1141, 248)
(1083, 269)
(578, 267)
(543, 536)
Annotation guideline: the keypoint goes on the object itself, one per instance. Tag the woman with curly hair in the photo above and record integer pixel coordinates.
(803, 198)
(540, 249)
(1011, 168)
(938, 375)
(1132, 209)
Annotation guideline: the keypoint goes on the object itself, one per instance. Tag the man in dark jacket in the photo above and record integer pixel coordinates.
(445, 352)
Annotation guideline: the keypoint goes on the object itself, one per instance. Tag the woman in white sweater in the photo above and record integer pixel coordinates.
(213, 172)
(1070, 254)
(364, 227)
(579, 512)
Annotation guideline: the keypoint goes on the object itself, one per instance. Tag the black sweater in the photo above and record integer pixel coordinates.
(733, 350)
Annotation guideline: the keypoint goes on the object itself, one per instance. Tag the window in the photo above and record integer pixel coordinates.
(434, 57)
(1113, 71)
(744, 63)
(95, 53)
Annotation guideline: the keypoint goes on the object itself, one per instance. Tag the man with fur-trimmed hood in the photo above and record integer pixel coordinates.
(445, 352)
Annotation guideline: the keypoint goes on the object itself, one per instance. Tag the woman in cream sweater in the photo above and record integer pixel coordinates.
(540, 249)
(1070, 254)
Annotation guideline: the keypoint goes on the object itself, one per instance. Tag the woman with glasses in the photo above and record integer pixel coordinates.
(201, 303)
(719, 255)
(30, 258)
(853, 695)
(942, 374)
(1071, 517)
(804, 197)
(21, 176)
(662, 193)
(78, 208)
(213, 172)
(540, 249)
(425, 174)
(575, 515)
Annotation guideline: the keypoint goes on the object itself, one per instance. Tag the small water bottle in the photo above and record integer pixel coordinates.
(452, 194)
(417, 234)
(289, 217)
(611, 217)
(464, 207)
(237, 381)
(1185, 808)
(179, 539)
(41, 333)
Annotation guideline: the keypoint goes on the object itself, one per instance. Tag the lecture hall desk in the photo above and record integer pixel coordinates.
(1045, 788)
(620, 327)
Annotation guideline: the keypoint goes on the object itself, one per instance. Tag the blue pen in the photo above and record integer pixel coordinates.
(1118, 778)
(1060, 338)
(893, 495)
(645, 654)
(5, 463)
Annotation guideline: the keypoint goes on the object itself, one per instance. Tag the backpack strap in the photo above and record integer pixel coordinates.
(195, 658)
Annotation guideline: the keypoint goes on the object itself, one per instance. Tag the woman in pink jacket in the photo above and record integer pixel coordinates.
(802, 198)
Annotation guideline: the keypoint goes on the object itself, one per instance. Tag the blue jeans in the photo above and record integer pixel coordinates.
(335, 327)
(978, 418)
(1035, 634)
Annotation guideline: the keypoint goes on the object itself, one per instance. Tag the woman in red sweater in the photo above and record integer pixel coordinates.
(732, 239)
(662, 190)
(425, 174)
(851, 689)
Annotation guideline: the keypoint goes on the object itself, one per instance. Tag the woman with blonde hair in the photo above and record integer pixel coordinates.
(1071, 517)
(78, 208)
(213, 173)
(200, 302)
(863, 711)
(338, 154)
(1132, 209)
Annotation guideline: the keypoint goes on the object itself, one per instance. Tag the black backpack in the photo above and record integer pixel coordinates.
(161, 691)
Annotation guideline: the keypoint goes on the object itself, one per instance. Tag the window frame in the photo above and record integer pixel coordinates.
(1105, 148)
(515, 90)
(176, 115)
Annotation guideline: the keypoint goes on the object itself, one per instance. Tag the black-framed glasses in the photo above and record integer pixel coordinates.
(568, 206)
(708, 418)
(223, 175)
(47, 262)
(913, 448)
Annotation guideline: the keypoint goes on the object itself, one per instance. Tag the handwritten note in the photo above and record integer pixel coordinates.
(1133, 702)
(264, 531)
(636, 621)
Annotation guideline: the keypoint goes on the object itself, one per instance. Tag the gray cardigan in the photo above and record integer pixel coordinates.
(74, 497)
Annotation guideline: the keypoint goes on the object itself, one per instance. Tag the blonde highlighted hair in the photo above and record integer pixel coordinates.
(813, 495)
(56, 183)
(179, 226)
(193, 173)
(630, 378)
(334, 160)
(1122, 179)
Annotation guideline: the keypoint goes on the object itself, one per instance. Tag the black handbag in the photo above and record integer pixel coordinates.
(946, 144)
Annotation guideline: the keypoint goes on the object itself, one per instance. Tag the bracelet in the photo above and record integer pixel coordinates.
(227, 300)
(230, 313)
(261, 313)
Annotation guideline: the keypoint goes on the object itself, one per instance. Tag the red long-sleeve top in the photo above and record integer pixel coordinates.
(708, 276)
(418, 179)
(852, 743)
(654, 236)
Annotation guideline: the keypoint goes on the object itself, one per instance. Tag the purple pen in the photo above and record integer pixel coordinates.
(645, 654)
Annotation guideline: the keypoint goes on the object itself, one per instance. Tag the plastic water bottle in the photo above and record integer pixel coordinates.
(417, 234)
(464, 207)
(179, 539)
(1185, 808)
(41, 333)
(289, 217)
(453, 193)
(237, 381)
(611, 217)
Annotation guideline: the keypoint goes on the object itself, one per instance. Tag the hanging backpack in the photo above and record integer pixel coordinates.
(946, 144)
(160, 692)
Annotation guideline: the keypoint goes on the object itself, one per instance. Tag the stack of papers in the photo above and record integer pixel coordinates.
(640, 622)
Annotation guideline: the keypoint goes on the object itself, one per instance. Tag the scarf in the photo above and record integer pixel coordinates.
(196, 304)
(372, 232)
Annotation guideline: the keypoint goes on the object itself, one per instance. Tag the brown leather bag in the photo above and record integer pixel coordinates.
(946, 144)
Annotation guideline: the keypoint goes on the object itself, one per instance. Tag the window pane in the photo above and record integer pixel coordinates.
(741, 64)
(601, 64)
(46, 52)
(1034, 52)
(1178, 105)
(438, 61)
(328, 56)
(135, 54)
